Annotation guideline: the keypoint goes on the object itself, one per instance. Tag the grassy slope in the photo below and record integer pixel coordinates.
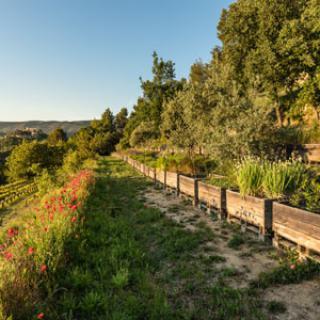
(134, 263)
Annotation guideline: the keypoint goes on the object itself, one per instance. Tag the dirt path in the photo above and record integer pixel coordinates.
(244, 257)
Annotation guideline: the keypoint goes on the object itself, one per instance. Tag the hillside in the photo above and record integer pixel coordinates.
(46, 126)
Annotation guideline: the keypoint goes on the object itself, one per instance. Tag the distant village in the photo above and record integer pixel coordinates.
(28, 133)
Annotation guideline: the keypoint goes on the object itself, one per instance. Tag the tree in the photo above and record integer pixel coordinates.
(155, 93)
(57, 136)
(30, 158)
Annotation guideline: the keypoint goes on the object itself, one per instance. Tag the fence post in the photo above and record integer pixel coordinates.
(196, 193)
(164, 179)
(178, 184)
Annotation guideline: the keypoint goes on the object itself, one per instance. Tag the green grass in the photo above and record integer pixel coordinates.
(131, 262)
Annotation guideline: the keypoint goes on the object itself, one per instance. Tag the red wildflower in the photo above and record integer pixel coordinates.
(43, 268)
(40, 315)
(74, 208)
(293, 266)
(73, 219)
(31, 250)
(12, 232)
(45, 229)
(8, 255)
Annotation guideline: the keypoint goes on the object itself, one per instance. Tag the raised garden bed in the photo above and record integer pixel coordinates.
(172, 180)
(299, 227)
(161, 176)
(150, 172)
(189, 187)
(212, 197)
(251, 212)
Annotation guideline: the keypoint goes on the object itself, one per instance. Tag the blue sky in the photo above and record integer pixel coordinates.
(70, 59)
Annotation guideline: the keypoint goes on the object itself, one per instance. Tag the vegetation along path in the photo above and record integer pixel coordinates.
(146, 254)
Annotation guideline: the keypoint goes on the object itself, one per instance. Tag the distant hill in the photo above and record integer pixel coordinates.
(70, 127)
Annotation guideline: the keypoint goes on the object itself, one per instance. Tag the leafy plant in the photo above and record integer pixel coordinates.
(250, 174)
(283, 178)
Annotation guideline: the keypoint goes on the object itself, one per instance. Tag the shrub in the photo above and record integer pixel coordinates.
(250, 174)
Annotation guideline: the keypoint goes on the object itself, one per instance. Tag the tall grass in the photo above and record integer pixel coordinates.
(250, 173)
(282, 179)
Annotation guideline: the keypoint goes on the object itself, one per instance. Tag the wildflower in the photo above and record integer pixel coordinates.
(8, 255)
(12, 232)
(292, 267)
(31, 250)
(43, 268)
(40, 315)
(73, 219)
(74, 207)
(45, 229)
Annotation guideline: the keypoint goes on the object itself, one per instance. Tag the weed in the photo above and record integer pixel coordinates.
(276, 307)
(236, 241)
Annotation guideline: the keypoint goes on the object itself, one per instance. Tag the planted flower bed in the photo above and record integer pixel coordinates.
(250, 210)
(212, 196)
(298, 226)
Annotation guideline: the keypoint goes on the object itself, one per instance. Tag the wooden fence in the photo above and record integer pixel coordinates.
(284, 225)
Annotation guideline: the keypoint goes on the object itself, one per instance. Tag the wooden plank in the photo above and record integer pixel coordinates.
(256, 211)
(160, 175)
(211, 195)
(312, 152)
(297, 225)
(187, 185)
(172, 179)
(284, 211)
(297, 237)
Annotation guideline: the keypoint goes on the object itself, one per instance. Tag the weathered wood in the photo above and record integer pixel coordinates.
(297, 225)
(252, 210)
(172, 179)
(161, 176)
(312, 152)
(212, 196)
(189, 186)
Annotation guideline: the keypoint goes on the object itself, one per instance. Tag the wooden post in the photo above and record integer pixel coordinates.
(178, 184)
(196, 193)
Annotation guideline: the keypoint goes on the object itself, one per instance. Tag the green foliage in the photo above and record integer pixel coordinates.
(57, 136)
(250, 174)
(236, 241)
(30, 158)
(282, 179)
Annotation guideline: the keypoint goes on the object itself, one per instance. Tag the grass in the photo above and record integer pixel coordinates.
(133, 263)
(236, 241)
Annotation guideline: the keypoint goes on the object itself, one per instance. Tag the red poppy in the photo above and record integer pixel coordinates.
(31, 250)
(43, 268)
(8, 255)
(12, 232)
(40, 315)
(73, 219)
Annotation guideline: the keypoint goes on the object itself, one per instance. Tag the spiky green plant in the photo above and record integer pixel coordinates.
(283, 178)
(250, 172)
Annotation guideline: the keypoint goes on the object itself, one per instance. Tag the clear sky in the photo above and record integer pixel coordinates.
(70, 59)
